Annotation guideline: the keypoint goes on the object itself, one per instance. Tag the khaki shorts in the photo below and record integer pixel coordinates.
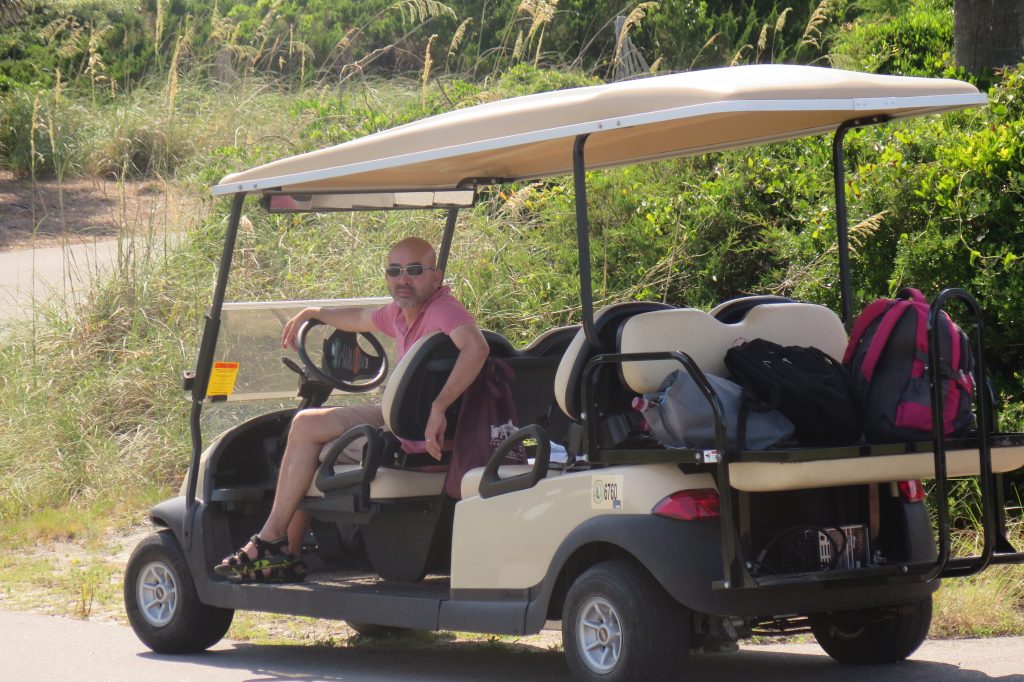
(348, 417)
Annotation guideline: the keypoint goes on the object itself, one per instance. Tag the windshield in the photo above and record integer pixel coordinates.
(247, 362)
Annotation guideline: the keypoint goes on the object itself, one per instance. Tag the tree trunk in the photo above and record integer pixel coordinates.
(988, 34)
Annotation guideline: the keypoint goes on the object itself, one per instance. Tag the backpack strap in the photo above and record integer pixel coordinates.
(912, 294)
(921, 340)
(958, 379)
(864, 320)
(889, 319)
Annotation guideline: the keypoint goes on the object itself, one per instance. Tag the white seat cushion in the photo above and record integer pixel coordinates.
(388, 484)
(391, 484)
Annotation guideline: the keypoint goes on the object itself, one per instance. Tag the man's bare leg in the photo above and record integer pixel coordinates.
(310, 429)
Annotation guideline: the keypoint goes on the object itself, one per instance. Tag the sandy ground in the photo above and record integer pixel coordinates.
(36, 213)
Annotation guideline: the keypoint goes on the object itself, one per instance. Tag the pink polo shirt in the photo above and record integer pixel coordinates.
(442, 312)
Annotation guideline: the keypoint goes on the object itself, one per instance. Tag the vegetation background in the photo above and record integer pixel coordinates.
(92, 427)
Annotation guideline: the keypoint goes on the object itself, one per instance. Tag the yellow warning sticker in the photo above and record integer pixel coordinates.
(222, 379)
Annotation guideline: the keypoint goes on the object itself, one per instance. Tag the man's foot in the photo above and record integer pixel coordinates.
(261, 561)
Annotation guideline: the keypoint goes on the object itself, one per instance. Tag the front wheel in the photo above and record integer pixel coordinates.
(161, 601)
(619, 624)
(883, 635)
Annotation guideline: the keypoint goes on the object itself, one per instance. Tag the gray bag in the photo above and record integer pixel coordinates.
(679, 416)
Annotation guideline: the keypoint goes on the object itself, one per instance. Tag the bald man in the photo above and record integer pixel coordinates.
(421, 304)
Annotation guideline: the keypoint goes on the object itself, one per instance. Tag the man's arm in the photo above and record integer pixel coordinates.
(350, 319)
(473, 351)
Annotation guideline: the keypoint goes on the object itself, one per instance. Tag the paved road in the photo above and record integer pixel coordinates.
(36, 274)
(34, 647)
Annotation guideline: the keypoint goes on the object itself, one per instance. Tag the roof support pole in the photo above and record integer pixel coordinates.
(842, 221)
(579, 177)
(204, 361)
(842, 224)
(446, 239)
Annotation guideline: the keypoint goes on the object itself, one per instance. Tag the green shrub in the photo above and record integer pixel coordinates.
(916, 39)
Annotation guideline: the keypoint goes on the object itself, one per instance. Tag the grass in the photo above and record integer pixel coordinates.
(985, 605)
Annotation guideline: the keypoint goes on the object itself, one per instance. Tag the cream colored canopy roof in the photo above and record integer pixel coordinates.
(664, 116)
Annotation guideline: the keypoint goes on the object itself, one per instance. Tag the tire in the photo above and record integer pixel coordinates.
(619, 624)
(161, 601)
(883, 635)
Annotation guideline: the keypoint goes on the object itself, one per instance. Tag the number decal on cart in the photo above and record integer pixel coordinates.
(606, 492)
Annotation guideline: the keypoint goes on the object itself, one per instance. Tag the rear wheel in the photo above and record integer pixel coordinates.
(883, 635)
(161, 601)
(619, 624)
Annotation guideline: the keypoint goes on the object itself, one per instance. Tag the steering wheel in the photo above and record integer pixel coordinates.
(345, 364)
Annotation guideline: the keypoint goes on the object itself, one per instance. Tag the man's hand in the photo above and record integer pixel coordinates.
(291, 328)
(473, 350)
(437, 424)
(350, 319)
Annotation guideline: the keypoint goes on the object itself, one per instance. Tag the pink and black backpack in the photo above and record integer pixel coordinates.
(888, 358)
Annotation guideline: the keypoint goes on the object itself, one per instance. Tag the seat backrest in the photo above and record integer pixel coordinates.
(706, 339)
(607, 324)
(418, 378)
(734, 310)
(415, 382)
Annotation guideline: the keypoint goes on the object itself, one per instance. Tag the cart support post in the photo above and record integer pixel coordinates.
(446, 239)
(842, 217)
(842, 221)
(204, 361)
(579, 177)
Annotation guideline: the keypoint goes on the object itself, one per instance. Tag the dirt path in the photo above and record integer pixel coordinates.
(37, 213)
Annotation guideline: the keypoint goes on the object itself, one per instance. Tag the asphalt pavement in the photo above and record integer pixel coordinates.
(35, 647)
(30, 275)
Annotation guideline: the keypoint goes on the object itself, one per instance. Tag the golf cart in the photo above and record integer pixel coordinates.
(642, 551)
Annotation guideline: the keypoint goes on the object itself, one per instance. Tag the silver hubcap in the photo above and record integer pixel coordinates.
(157, 593)
(599, 635)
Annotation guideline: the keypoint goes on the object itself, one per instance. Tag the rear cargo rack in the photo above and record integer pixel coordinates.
(969, 454)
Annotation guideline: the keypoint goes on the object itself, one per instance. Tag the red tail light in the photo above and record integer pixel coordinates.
(912, 491)
(689, 505)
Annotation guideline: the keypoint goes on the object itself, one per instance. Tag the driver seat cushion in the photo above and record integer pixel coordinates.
(389, 483)
(423, 371)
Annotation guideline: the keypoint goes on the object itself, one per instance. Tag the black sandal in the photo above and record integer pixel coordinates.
(294, 572)
(271, 559)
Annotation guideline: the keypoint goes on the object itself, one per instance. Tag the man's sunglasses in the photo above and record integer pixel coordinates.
(412, 269)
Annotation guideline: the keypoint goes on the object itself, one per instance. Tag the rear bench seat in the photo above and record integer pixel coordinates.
(706, 339)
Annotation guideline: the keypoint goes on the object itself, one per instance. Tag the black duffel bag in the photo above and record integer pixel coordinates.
(810, 387)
